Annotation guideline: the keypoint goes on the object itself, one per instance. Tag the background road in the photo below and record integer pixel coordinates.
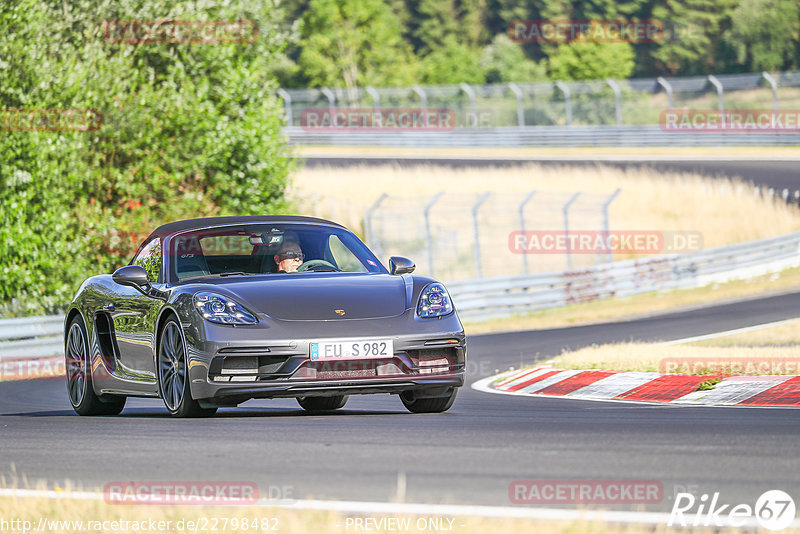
(468, 455)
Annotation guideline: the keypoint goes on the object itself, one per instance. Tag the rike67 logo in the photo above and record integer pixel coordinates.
(774, 510)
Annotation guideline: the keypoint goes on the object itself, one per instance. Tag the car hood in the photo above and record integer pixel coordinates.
(317, 296)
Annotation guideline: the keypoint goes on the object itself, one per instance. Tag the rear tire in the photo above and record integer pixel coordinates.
(416, 404)
(173, 375)
(80, 388)
(322, 404)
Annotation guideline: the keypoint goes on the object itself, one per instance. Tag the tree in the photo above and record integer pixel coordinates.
(354, 43)
(451, 63)
(766, 34)
(694, 44)
(504, 61)
(580, 60)
(188, 130)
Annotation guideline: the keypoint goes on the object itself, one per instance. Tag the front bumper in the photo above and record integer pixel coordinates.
(230, 365)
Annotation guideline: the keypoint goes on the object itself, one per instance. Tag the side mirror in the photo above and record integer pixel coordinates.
(401, 265)
(131, 275)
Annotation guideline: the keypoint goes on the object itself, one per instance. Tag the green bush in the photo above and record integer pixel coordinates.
(188, 130)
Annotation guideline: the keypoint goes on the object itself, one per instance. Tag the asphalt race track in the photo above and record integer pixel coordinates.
(468, 455)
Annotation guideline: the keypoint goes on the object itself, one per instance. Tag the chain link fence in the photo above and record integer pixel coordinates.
(456, 236)
(631, 102)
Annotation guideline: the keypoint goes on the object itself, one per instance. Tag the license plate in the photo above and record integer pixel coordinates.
(351, 348)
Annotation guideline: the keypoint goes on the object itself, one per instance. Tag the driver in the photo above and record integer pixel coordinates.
(289, 257)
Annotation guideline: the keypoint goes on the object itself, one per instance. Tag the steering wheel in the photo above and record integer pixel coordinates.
(317, 265)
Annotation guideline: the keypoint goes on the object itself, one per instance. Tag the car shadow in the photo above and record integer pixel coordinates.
(145, 413)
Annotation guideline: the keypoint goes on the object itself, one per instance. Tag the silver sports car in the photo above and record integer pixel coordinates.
(213, 312)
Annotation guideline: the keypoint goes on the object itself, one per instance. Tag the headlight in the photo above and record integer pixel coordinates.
(434, 301)
(219, 309)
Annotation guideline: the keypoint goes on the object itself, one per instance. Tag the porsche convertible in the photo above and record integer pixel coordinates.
(213, 312)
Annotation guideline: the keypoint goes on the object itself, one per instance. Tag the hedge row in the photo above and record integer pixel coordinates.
(185, 130)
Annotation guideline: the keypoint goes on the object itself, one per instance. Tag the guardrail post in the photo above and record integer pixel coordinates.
(567, 104)
(376, 98)
(423, 98)
(520, 112)
(521, 211)
(475, 229)
(774, 84)
(617, 99)
(287, 105)
(718, 86)
(428, 237)
(369, 236)
(471, 95)
(606, 229)
(566, 226)
(667, 88)
(330, 96)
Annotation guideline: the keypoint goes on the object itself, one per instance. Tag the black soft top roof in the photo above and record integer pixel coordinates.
(197, 224)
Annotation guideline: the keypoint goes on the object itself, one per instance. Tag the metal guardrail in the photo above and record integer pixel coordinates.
(31, 337)
(513, 295)
(527, 136)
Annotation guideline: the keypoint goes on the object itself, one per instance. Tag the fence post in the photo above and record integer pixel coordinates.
(520, 112)
(471, 95)
(572, 199)
(667, 88)
(718, 86)
(423, 98)
(606, 229)
(369, 235)
(428, 237)
(475, 229)
(774, 84)
(376, 98)
(521, 211)
(287, 105)
(331, 98)
(565, 89)
(617, 99)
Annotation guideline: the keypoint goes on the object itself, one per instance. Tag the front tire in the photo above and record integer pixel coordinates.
(322, 404)
(173, 374)
(80, 389)
(416, 404)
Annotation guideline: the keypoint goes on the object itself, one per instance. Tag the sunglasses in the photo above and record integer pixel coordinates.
(293, 256)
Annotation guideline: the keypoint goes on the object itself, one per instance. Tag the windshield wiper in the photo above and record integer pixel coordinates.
(233, 273)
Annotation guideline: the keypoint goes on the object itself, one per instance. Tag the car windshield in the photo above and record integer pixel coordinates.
(256, 249)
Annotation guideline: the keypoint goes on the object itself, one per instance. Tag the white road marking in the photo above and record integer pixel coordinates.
(727, 332)
(366, 507)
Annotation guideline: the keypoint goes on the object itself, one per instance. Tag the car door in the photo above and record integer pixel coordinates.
(134, 315)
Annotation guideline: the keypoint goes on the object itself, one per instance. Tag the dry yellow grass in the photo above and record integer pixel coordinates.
(648, 357)
(785, 334)
(763, 152)
(774, 350)
(724, 212)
